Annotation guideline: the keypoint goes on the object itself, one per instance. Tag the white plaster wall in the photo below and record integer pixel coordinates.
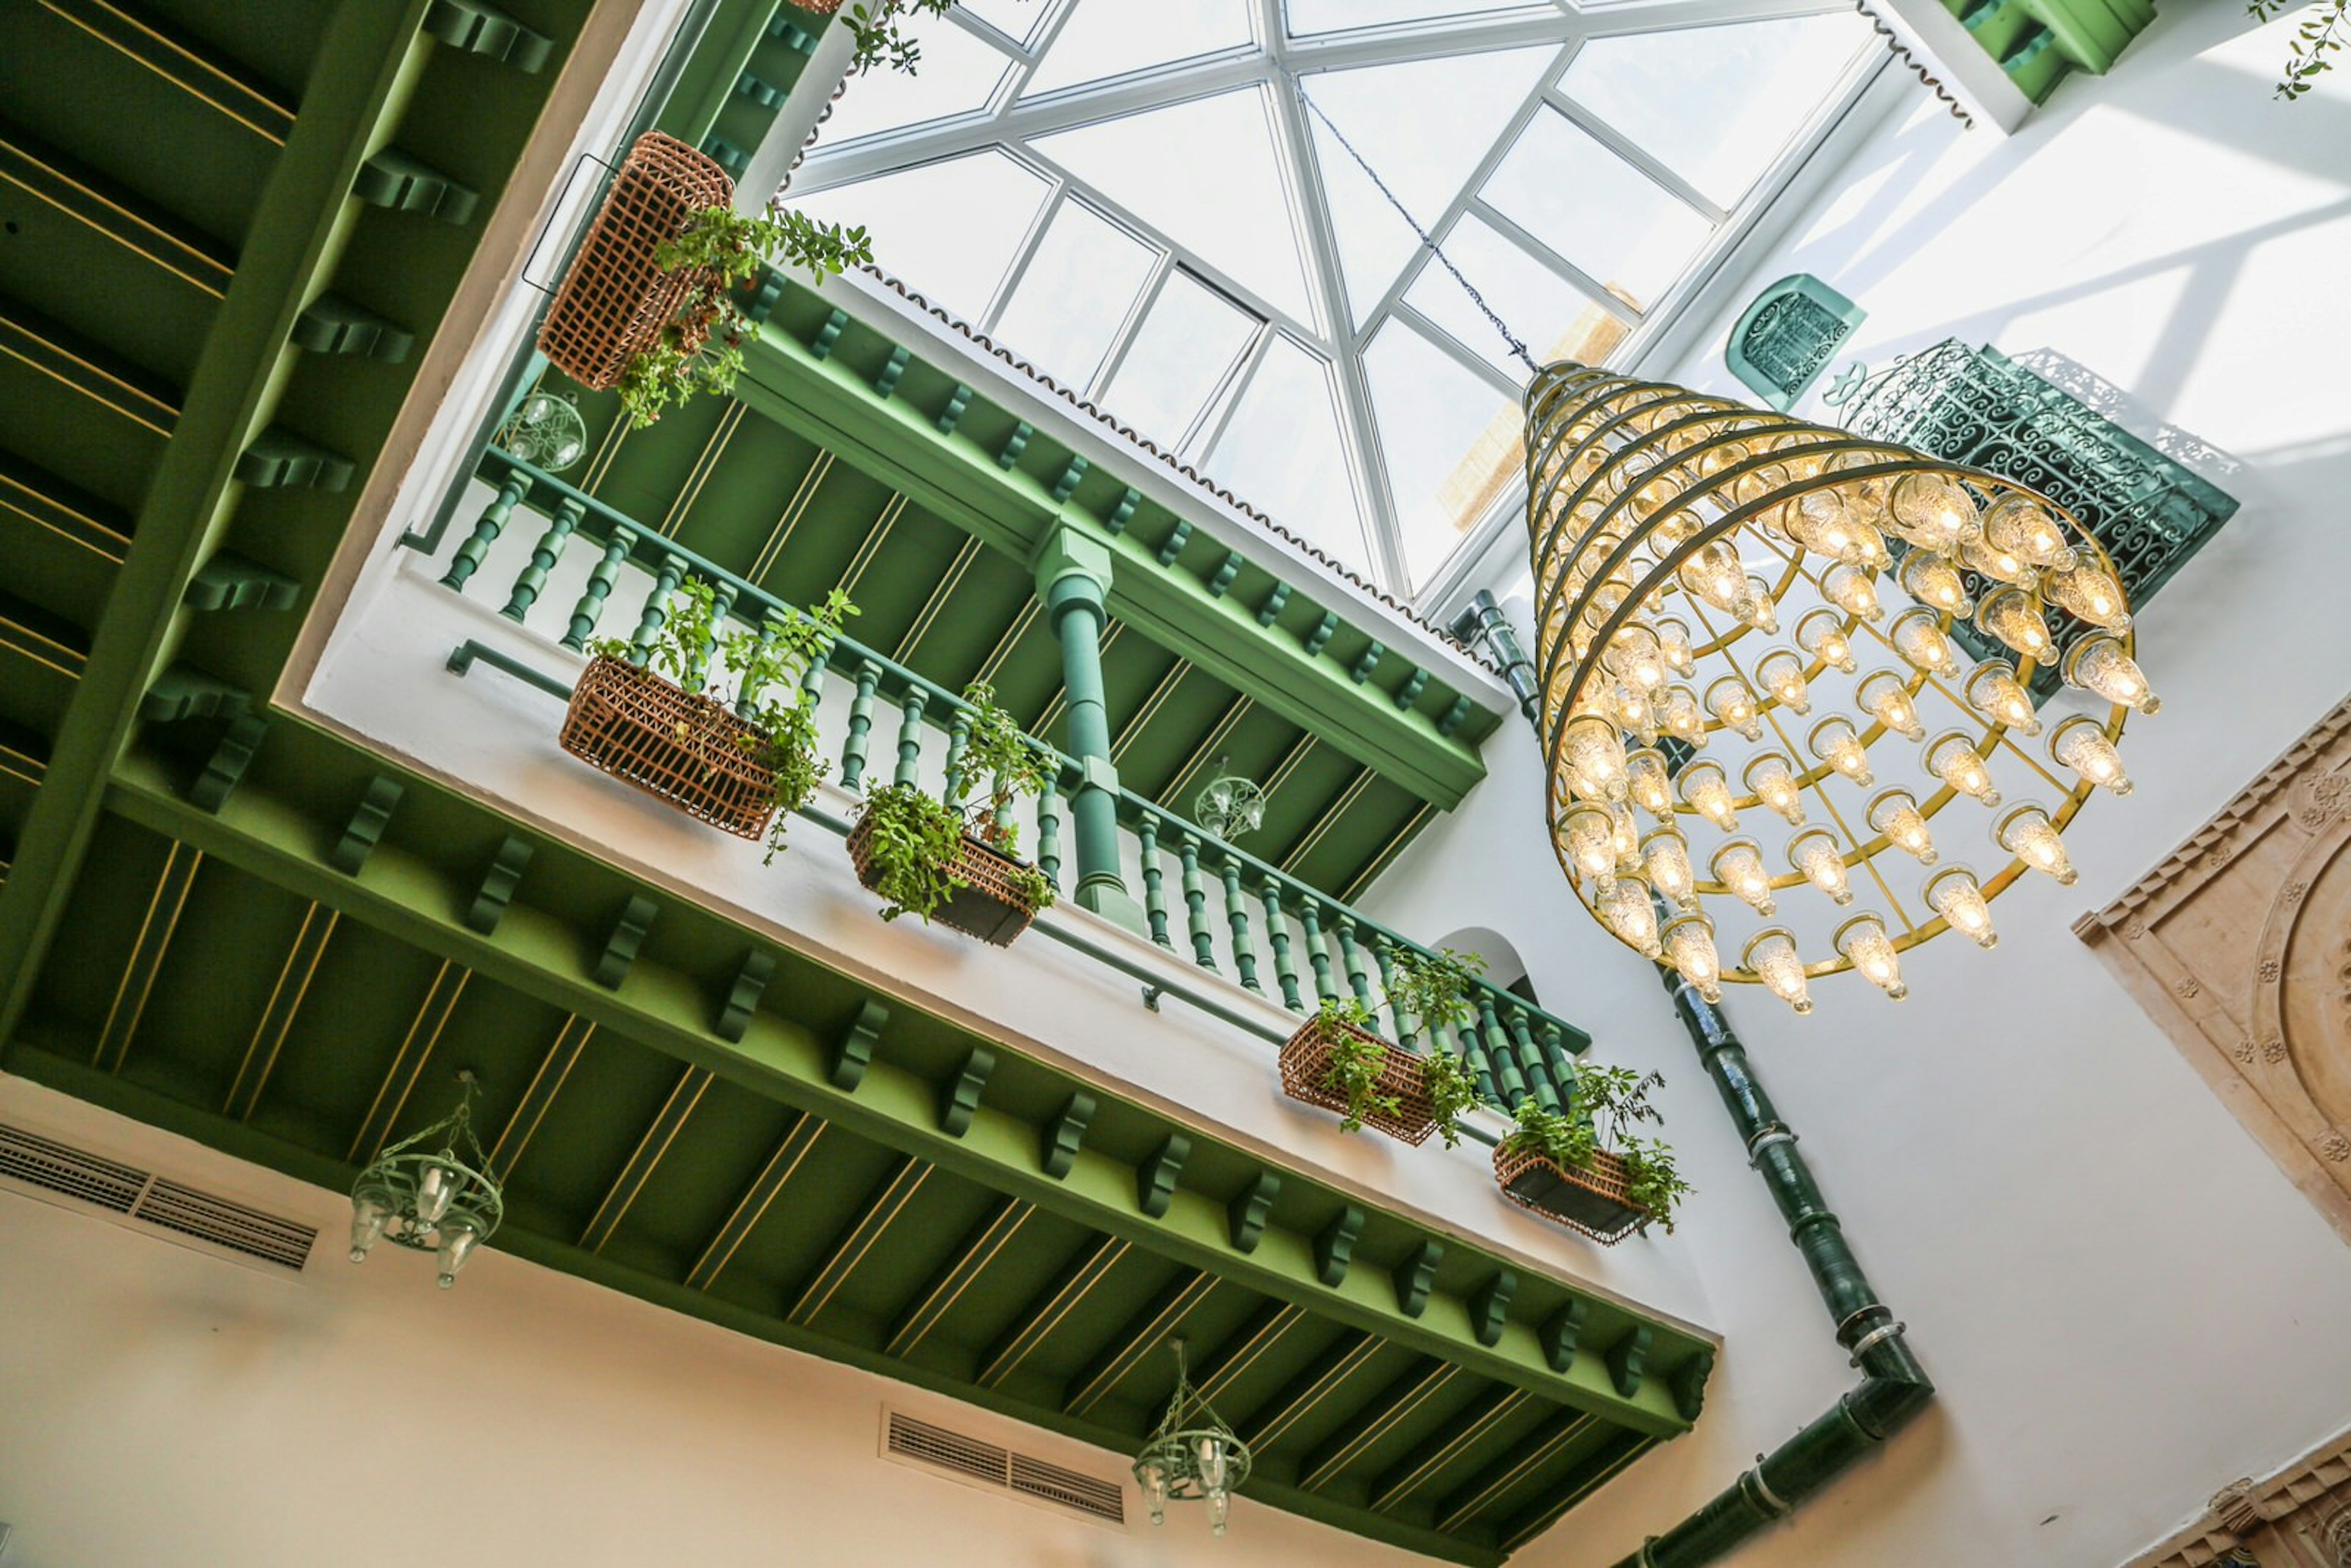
(2123, 1303)
(162, 1407)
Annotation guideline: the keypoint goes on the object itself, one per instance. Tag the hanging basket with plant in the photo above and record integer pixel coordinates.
(1584, 1167)
(961, 867)
(1336, 1062)
(743, 768)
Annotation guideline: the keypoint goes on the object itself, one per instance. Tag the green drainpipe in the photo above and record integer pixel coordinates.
(1484, 618)
(1894, 1387)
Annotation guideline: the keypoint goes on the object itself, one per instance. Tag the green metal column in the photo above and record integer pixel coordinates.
(1073, 574)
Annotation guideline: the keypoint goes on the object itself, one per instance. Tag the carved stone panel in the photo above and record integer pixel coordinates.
(2240, 946)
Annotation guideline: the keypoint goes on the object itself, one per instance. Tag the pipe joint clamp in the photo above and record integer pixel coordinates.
(1882, 1332)
(1774, 1133)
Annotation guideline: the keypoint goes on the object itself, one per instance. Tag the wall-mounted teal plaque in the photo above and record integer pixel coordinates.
(1791, 330)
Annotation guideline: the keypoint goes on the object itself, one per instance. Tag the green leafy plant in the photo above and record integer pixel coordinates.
(700, 348)
(879, 35)
(1610, 1104)
(1352, 1068)
(917, 840)
(1432, 988)
(2323, 33)
(996, 748)
(770, 667)
(914, 844)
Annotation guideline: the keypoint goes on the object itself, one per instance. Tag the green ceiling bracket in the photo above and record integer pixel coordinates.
(1559, 1333)
(1064, 1133)
(853, 1051)
(1334, 1246)
(1222, 582)
(279, 459)
(1015, 445)
(1177, 538)
(499, 880)
(1155, 1179)
(959, 401)
(1455, 716)
(1363, 668)
(1688, 1384)
(1071, 476)
(1409, 693)
(230, 581)
(887, 381)
(331, 324)
(620, 947)
(1489, 1306)
(1270, 610)
(1320, 638)
(743, 996)
(399, 181)
(483, 29)
(1627, 1358)
(820, 345)
(231, 755)
(726, 155)
(1244, 1217)
(1123, 513)
(960, 1098)
(766, 95)
(369, 819)
(1416, 1275)
(183, 693)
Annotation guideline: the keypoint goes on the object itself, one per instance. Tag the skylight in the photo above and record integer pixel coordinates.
(1136, 200)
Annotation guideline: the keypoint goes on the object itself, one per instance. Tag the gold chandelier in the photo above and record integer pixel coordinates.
(1744, 632)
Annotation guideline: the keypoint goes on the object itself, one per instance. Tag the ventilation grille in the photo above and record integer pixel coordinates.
(992, 1466)
(122, 1189)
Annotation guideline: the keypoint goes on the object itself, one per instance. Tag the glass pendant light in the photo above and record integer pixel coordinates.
(1681, 717)
(1674, 644)
(1832, 740)
(1954, 894)
(1688, 943)
(430, 1192)
(1635, 658)
(1625, 837)
(1851, 589)
(1633, 711)
(458, 1240)
(1192, 1455)
(2081, 743)
(1782, 674)
(1645, 782)
(1738, 864)
(1998, 566)
(2027, 834)
(2088, 593)
(1771, 953)
(1731, 701)
(1822, 522)
(1715, 574)
(1919, 638)
(1952, 757)
(434, 1188)
(1703, 787)
(371, 1209)
(1623, 904)
(1664, 861)
(1885, 696)
(1994, 691)
(1771, 780)
(1935, 512)
(1820, 633)
(1591, 839)
(1895, 814)
(1758, 609)
(2099, 665)
(1595, 758)
(1863, 940)
(1933, 581)
(1816, 854)
(2011, 616)
(2021, 526)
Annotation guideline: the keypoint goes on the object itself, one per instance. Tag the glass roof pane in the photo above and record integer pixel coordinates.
(1556, 319)
(1074, 294)
(1204, 174)
(1016, 19)
(1718, 105)
(949, 229)
(1424, 125)
(1281, 453)
(1181, 354)
(1450, 442)
(1111, 37)
(1596, 210)
(956, 75)
(1302, 18)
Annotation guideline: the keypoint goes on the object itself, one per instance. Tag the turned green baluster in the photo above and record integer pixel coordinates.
(648, 624)
(746, 701)
(958, 737)
(1049, 827)
(1537, 1070)
(1195, 901)
(1562, 1070)
(1401, 1022)
(1155, 895)
(861, 725)
(1003, 814)
(600, 577)
(697, 660)
(1352, 960)
(543, 557)
(1277, 932)
(487, 530)
(1512, 1082)
(910, 735)
(1464, 1043)
(1318, 954)
(1236, 916)
(812, 678)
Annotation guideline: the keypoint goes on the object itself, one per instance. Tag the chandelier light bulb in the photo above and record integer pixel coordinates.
(1863, 940)
(1211, 1451)
(369, 1212)
(1933, 581)
(1589, 834)
(1154, 1489)
(1832, 740)
(458, 1240)
(1954, 894)
(1738, 866)
(1758, 608)
(1885, 696)
(2027, 834)
(1715, 574)
(1624, 905)
(1688, 943)
(1631, 710)
(1782, 674)
(1771, 953)
(1681, 717)
(1998, 565)
(1820, 633)
(2098, 664)
(1703, 787)
(2082, 744)
(1674, 645)
(1934, 511)
(2013, 616)
(1664, 861)
(1768, 778)
(1871, 497)
(1994, 691)
(1624, 838)
(1814, 853)
(2021, 526)
(1917, 636)
(1635, 657)
(1220, 1503)
(434, 1190)
(2089, 592)
(1952, 757)
(1646, 782)
(1895, 814)
(1851, 589)
(1593, 758)
(1822, 522)
(1731, 701)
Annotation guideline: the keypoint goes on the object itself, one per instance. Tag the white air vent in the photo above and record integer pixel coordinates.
(988, 1464)
(54, 1168)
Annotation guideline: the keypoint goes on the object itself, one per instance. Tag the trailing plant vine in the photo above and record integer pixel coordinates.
(913, 848)
(879, 33)
(2322, 33)
(1610, 1104)
(917, 840)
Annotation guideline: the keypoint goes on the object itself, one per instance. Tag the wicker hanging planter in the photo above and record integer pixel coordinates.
(1595, 1199)
(987, 902)
(1306, 1076)
(616, 297)
(678, 746)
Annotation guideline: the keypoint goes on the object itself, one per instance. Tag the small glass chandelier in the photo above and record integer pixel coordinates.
(430, 1192)
(545, 431)
(1773, 602)
(1192, 1457)
(1229, 805)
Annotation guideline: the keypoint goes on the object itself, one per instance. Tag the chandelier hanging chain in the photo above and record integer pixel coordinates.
(1516, 344)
